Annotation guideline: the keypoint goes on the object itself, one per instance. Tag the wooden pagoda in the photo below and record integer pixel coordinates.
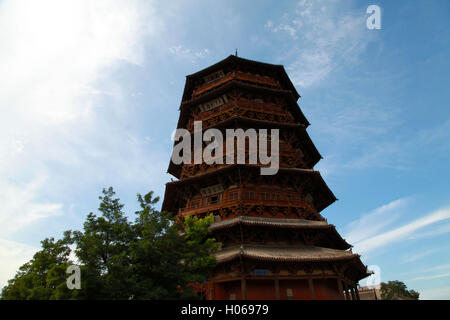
(275, 243)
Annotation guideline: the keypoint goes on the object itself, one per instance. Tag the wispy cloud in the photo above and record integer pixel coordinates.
(429, 277)
(441, 267)
(408, 258)
(187, 53)
(439, 230)
(20, 206)
(325, 36)
(370, 243)
(373, 222)
(425, 270)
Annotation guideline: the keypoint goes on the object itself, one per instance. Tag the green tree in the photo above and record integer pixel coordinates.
(103, 249)
(168, 254)
(154, 257)
(397, 290)
(40, 277)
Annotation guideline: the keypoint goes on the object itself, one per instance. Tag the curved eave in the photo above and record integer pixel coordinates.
(284, 254)
(281, 224)
(310, 148)
(235, 83)
(326, 195)
(272, 222)
(281, 72)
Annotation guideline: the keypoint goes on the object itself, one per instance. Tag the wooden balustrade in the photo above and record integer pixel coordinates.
(263, 110)
(258, 106)
(288, 159)
(203, 206)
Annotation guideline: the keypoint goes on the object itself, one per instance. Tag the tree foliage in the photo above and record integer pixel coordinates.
(397, 290)
(154, 257)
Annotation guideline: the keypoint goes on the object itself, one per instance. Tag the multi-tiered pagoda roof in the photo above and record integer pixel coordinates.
(275, 242)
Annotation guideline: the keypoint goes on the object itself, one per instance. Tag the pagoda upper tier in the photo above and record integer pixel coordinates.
(241, 93)
(234, 68)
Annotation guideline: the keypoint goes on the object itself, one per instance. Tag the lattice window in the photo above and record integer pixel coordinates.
(214, 199)
(195, 203)
(217, 188)
(249, 195)
(213, 103)
(265, 196)
(233, 195)
(213, 76)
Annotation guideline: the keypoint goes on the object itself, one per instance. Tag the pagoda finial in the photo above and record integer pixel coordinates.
(235, 53)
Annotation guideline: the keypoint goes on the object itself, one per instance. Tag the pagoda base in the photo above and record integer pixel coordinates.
(279, 289)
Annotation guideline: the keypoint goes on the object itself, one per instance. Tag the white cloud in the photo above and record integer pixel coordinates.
(55, 63)
(13, 255)
(434, 276)
(325, 36)
(62, 110)
(408, 258)
(55, 60)
(440, 230)
(20, 206)
(401, 233)
(187, 53)
(441, 267)
(55, 51)
(373, 222)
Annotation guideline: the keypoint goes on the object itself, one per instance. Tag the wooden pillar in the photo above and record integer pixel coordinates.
(352, 291)
(212, 291)
(277, 288)
(311, 288)
(340, 288)
(244, 288)
(357, 293)
(347, 296)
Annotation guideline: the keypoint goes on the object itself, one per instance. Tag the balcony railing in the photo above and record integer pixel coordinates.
(208, 207)
(288, 159)
(243, 106)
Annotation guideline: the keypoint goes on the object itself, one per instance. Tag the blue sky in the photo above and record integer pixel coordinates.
(89, 97)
